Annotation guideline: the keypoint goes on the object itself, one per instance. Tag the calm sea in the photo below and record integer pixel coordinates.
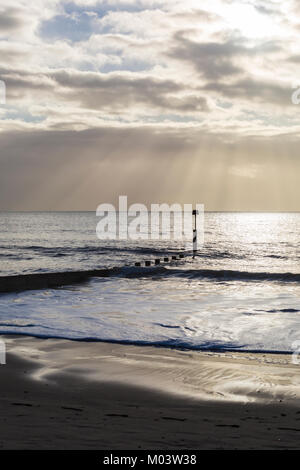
(241, 292)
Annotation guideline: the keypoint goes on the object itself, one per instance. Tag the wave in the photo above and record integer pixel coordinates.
(57, 251)
(217, 274)
(172, 343)
(65, 251)
(233, 275)
(57, 279)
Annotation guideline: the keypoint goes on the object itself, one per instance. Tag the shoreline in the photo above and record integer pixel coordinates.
(61, 394)
(160, 345)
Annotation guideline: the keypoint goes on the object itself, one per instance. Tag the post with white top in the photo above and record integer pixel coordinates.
(195, 213)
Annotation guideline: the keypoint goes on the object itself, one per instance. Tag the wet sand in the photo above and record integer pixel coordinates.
(59, 394)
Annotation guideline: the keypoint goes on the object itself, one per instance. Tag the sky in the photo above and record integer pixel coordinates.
(176, 101)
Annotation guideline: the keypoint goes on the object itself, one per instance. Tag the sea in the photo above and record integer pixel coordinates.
(241, 292)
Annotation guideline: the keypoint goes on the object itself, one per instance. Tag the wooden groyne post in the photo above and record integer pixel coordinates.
(195, 213)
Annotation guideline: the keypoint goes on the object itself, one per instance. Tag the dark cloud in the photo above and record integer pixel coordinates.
(216, 60)
(212, 60)
(116, 90)
(10, 20)
(21, 84)
(97, 91)
(249, 89)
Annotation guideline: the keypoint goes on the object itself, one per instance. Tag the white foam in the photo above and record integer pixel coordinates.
(170, 312)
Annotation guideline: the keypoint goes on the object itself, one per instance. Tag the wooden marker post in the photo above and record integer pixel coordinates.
(195, 213)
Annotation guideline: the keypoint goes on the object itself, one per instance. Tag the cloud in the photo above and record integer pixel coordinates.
(117, 90)
(249, 89)
(94, 90)
(10, 21)
(155, 98)
(216, 60)
(71, 170)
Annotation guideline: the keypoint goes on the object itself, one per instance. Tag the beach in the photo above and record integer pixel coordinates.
(61, 394)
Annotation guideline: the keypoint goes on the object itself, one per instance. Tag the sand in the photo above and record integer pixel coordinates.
(58, 394)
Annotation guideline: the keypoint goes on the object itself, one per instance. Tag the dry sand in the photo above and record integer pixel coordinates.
(58, 394)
